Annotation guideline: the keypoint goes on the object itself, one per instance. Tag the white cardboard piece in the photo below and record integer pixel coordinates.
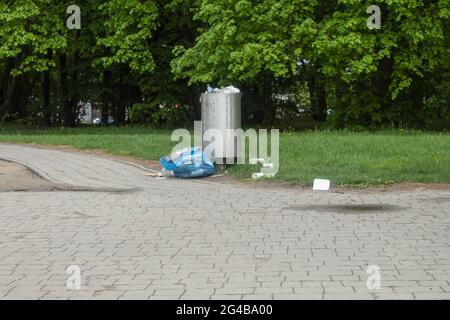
(321, 185)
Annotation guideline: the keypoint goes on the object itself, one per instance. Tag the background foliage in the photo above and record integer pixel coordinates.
(300, 63)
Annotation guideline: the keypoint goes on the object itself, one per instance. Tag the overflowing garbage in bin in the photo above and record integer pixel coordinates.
(226, 90)
(221, 118)
(221, 113)
(188, 163)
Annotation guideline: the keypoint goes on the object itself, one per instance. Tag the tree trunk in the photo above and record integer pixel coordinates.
(119, 103)
(106, 96)
(383, 78)
(9, 83)
(383, 82)
(74, 96)
(47, 112)
(19, 98)
(68, 105)
(317, 93)
(268, 103)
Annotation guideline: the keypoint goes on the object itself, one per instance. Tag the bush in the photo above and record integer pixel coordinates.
(163, 114)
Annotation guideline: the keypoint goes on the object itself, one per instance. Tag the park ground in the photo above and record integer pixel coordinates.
(347, 158)
(133, 236)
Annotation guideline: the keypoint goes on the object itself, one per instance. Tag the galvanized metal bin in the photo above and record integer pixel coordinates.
(221, 111)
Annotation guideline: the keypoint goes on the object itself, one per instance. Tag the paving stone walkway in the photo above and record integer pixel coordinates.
(136, 237)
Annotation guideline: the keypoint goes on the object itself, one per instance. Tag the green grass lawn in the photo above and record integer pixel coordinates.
(349, 158)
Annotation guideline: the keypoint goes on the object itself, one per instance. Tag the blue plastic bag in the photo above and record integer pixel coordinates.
(188, 163)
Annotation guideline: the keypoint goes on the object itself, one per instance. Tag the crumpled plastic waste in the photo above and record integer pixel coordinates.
(227, 90)
(258, 175)
(188, 163)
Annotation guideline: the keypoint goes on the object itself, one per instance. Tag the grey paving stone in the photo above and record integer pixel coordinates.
(179, 239)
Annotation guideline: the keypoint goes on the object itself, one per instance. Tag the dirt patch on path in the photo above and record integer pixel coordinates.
(14, 177)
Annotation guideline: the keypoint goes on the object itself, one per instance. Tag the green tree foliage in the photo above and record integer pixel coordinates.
(287, 56)
(243, 40)
(28, 31)
(249, 43)
(180, 101)
(374, 71)
(368, 72)
(128, 31)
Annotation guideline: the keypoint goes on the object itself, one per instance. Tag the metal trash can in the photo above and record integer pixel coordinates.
(221, 110)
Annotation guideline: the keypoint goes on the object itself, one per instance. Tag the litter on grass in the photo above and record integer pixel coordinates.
(257, 175)
(268, 165)
(321, 185)
(188, 163)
